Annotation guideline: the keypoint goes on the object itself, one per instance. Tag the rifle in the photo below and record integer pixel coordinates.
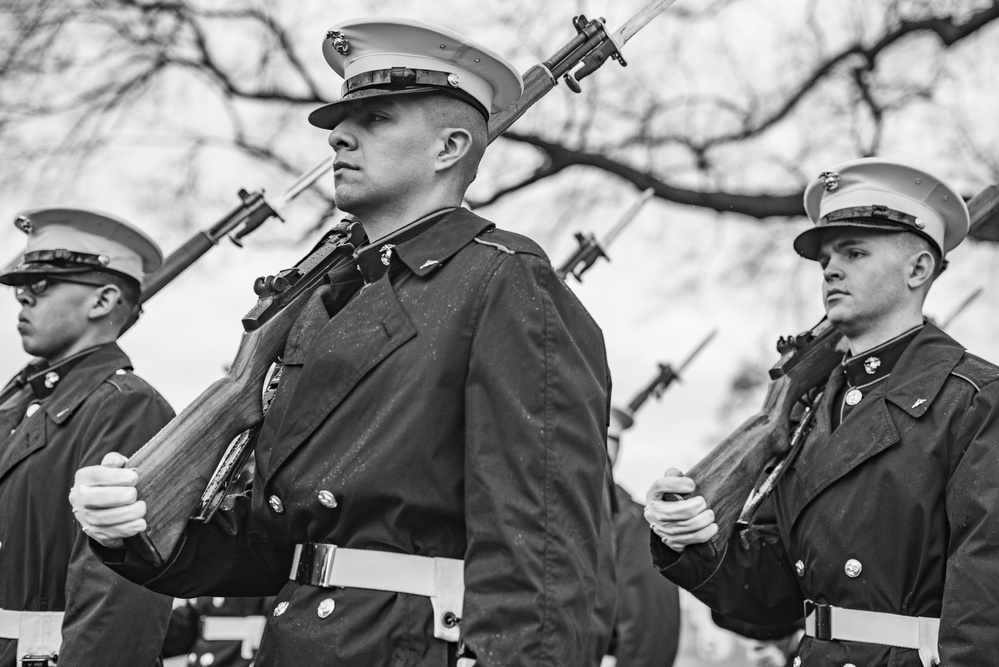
(727, 475)
(590, 249)
(175, 467)
(591, 46)
(248, 216)
(251, 214)
(659, 384)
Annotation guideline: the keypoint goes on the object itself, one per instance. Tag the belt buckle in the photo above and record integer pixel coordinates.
(30, 660)
(823, 620)
(315, 564)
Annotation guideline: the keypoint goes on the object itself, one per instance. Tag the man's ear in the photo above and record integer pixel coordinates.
(106, 299)
(921, 269)
(454, 145)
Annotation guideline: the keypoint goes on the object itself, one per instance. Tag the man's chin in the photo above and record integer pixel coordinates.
(838, 316)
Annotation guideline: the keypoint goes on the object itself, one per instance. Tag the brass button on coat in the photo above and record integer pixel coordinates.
(276, 505)
(799, 568)
(327, 499)
(326, 607)
(853, 569)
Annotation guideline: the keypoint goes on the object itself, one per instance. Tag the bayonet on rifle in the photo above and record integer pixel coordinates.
(237, 224)
(590, 249)
(591, 46)
(656, 388)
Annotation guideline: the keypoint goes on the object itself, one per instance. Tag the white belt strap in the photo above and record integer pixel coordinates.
(37, 632)
(440, 579)
(245, 629)
(874, 627)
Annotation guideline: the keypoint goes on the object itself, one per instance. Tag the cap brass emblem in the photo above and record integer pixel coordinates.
(830, 180)
(340, 43)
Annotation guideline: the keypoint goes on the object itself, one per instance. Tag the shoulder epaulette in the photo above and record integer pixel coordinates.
(116, 375)
(976, 370)
(509, 242)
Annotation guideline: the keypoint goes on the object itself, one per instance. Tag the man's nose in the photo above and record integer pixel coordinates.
(23, 296)
(832, 270)
(341, 137)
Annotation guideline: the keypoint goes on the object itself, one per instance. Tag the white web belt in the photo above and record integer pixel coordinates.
(440, 579)
(874, 627)
(38, 633)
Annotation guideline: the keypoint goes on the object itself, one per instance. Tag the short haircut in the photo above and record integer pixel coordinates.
(444, 110)
(913, 243)
(131, 291)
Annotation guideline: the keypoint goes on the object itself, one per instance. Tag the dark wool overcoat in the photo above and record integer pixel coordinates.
(99, 406)
(907, 487)
(456, 407)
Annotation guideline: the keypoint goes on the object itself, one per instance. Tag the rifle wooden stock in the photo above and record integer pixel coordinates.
(176, 465)
(726, 476)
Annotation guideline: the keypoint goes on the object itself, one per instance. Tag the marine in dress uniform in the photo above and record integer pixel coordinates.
(886, 526)
(77, 401)
(429, 474)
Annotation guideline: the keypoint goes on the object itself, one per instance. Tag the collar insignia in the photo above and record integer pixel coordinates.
(430, 262)
(386, 252)
(919, 401)
(871, 365)
(51, 378)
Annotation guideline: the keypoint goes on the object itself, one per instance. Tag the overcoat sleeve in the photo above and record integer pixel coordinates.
(536, 415)
(751, 580)
(100, 604)
(231, 555)
(970, 613)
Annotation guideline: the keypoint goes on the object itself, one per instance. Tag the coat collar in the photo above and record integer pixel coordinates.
(916, 380)
(85, 376)
(877, 363)
(422, 246)
(922, 369)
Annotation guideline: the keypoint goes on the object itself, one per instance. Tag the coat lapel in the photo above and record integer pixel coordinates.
(20, 445)
(827, 457)
(368, 329)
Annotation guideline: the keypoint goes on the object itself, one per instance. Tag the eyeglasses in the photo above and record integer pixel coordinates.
(39, 286)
